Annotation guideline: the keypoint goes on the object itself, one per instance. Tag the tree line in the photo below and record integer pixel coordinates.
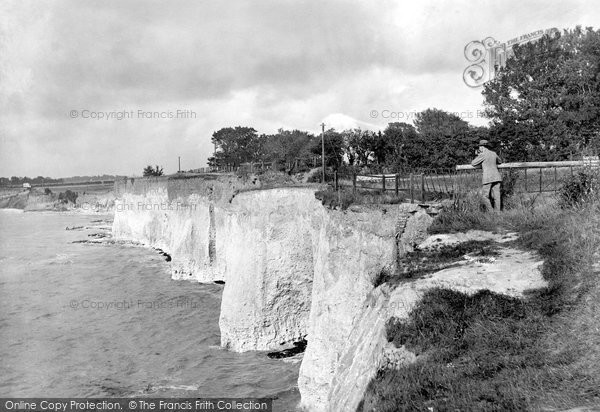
(437, 139)
(544, 105)
(17, 181)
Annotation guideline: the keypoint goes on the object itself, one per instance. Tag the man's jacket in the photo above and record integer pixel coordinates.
(488, 161)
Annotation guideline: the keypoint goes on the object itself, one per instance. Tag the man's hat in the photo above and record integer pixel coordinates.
(484, 142)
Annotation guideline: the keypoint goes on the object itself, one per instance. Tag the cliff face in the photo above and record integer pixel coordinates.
(35, 199)
(367, 350)
(269, 254)
(179, 229)
(292, 270)
(295, 270)
(184, 218)
(353, 250)
(14, 200)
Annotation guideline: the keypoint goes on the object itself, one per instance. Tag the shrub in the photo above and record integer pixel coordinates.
(577, 188)
(150, 171)
(333, 199)
(468, 212)
(509, 182)
(68, 196)
(47, 191)
(318, 177)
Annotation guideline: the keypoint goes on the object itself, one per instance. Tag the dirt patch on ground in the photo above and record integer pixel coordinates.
(470, 261)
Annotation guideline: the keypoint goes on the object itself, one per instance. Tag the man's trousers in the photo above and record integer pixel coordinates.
(491, 194)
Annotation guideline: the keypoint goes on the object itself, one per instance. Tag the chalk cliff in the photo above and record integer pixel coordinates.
(293, 270)
(366, 349)
(269, 253)
(183, 218)
(354, 248)
(33, 200)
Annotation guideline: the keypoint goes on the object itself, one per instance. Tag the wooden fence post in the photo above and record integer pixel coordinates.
(353, 182)
(383, 182)
(453, 177)
(412, 193)
(555, 187)
(422, 187)
(396, 184)
(525, 170)
(335, 180)
(540, 180)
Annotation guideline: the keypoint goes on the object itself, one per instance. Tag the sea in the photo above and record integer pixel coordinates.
(81, 319)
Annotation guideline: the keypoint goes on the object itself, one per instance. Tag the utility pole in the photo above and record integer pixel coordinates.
(323, 149)
(179, 167)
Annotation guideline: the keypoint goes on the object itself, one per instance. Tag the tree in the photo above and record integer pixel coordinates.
(405, 144)
(287, 146)
(382, 149)
(150, 171)
(334, 148)
(445, 140)
(236, 145)
(545, 104)
(358, 146)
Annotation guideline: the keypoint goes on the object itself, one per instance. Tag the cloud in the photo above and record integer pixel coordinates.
(264, 63)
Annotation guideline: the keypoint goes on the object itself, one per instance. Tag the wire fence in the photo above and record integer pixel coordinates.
(424, 185)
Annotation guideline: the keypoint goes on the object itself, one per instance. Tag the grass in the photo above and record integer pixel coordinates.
(495, 353)
(342, 199)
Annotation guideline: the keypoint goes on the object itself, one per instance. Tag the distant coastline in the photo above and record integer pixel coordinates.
(90, 198)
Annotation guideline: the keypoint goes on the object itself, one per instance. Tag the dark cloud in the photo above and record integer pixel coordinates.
(161, 51)
(264, 63)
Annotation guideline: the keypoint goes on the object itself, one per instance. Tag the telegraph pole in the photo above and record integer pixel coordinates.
(179, 167)
(323, 149)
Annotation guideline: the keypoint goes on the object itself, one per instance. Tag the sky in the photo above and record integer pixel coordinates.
(95, 87)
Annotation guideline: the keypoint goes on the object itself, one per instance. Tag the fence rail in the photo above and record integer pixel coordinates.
(527, 177)
(423, 184)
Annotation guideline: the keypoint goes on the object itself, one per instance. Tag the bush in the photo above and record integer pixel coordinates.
(578, 188)
(47, 191)
(68, 196)
(468, 212)
(332, 199)
(507, 189)
(150, 171)
(317, 177)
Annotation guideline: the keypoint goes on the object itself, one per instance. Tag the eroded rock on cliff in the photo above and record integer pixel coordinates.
(366, 349)
(353, 249)
(181, 217)
(294, 270)
(269, 253)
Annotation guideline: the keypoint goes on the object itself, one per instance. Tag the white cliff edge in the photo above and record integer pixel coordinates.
(295, 270)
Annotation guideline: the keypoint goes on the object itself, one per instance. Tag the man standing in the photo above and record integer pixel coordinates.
(488, 160)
